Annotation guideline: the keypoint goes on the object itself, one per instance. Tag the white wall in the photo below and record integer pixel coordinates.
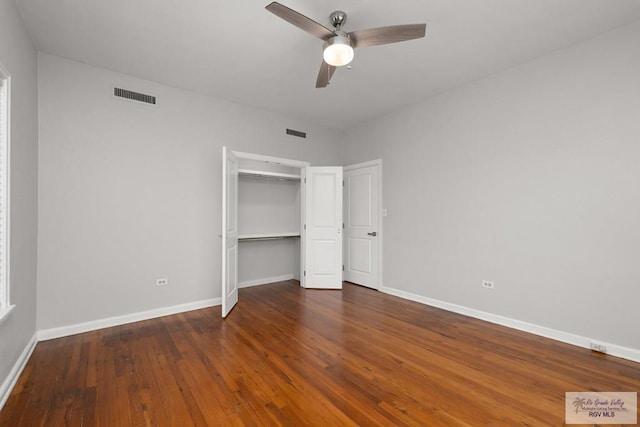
(529, 178)
(18, 55)
(131, 192)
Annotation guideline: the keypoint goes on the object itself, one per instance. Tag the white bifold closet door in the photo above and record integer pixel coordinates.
(322, 234)
(229, 231)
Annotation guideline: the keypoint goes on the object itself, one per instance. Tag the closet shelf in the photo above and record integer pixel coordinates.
(267, 174)
(266, 236)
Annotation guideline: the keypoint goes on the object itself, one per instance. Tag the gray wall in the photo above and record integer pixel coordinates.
(131, 192)
(19, 57)
(529, 178)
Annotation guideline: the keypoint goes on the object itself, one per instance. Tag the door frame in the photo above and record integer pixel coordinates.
(378, 164)
(263, 158)
(301, 164)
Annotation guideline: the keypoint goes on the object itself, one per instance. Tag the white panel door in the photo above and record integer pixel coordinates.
(322, 256)
(361, 228)
(229, 231)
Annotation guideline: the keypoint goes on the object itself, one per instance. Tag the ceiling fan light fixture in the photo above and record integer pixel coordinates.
(338, 51)
(339, 45)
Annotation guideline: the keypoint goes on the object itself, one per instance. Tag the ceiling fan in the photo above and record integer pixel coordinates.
(338, 44)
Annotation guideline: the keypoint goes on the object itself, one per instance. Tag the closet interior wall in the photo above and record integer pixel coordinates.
(269, 214)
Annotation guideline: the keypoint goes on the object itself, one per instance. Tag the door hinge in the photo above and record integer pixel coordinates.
(305, 226)
(342, 267)
(305, 273)
(343, 225)
(305, 180)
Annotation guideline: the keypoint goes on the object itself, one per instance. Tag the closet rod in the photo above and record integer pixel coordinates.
(255, 239)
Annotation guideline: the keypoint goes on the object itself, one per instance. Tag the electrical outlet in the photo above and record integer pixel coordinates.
(600, 348)
(487, 284)
(162, 282)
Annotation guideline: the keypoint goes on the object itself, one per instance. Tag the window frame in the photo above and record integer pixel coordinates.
(5, 145)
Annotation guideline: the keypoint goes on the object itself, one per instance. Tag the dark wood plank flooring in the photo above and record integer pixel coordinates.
(290, 356)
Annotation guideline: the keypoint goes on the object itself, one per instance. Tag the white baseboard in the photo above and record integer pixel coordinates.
(48, 334)
(63, 331)
(18, 367)
(577, 340)
(249, 283)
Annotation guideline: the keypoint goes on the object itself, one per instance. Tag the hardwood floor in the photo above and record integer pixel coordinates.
(289, 356)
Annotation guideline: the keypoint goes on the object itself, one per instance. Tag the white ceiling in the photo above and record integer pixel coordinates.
(236, 50)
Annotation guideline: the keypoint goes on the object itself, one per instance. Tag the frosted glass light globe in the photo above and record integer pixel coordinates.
(338, 51)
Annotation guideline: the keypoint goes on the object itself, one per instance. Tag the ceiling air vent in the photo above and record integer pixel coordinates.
(135, 96)
(296, 133)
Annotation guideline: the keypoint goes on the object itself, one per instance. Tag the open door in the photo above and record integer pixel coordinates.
(229, 231)
(322, 233)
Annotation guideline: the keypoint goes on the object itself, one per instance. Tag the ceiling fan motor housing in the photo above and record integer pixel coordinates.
(340, 38)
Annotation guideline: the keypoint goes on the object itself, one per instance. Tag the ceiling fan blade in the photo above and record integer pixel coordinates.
(385, 35)
(300, 21)
(325, 74)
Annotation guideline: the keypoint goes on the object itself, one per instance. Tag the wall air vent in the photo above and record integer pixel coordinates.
(135, 96)
(296, 133)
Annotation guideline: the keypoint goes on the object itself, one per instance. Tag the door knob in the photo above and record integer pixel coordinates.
(373, 233)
